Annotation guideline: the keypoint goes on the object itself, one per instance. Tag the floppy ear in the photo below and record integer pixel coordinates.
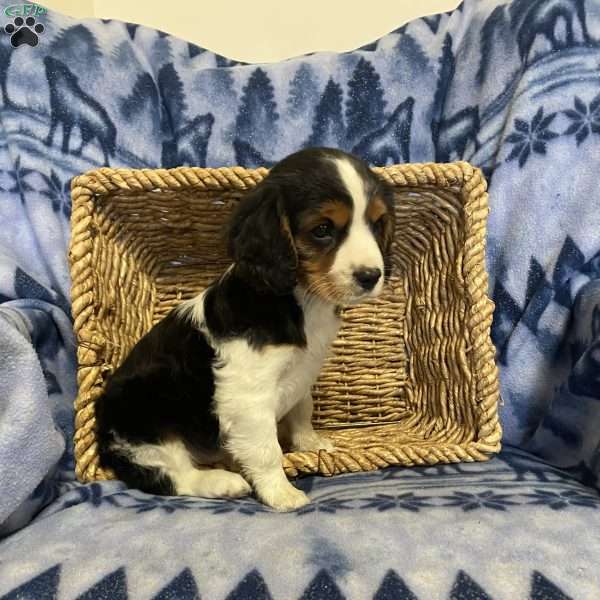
(261, 244)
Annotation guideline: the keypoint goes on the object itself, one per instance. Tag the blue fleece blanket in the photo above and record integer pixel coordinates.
(512, 87)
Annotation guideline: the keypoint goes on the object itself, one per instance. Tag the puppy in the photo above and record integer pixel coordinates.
(228, 373)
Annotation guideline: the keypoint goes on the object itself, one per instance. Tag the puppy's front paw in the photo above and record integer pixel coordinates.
(284, 498)
(311, 442)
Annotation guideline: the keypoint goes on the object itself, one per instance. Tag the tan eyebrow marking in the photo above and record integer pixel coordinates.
(336, 210)
(376, 209)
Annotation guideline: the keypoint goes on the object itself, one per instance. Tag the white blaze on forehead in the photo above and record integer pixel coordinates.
(354, 184)
(359, 249)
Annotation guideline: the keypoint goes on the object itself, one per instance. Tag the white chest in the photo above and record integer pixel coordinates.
(321, 327)
(274, 378)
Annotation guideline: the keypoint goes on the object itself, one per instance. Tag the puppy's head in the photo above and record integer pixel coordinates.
(320, 220)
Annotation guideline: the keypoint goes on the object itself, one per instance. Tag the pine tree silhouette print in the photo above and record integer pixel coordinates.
(257, 118)
(365, 104)
(328, 125)
(304, 93)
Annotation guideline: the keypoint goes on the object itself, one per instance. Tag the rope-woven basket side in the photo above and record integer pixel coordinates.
(359, 448)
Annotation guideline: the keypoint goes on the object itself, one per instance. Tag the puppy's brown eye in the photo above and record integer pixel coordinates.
(323, 231)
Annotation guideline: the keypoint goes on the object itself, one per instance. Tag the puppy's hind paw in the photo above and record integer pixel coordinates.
(214, 483)
(233, 486)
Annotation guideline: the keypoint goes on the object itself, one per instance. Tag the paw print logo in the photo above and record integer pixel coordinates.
(24, 31)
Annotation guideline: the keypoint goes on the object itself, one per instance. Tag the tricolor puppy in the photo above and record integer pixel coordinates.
(226, 375)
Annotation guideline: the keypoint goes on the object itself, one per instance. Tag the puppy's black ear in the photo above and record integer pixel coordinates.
(260, 241)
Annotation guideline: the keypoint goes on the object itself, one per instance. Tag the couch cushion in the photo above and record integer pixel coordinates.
(514, 527)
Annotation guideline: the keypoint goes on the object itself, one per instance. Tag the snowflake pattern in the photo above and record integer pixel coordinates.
(327, 505)
(58, 193)
(488, 499)
(95, 495)
(20, 183)
(407, 501)
(167, 504)
(562, 500)
(585, 119)
(531, 137)
(243, 506)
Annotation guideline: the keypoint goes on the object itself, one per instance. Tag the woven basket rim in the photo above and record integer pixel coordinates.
(465, 179)
(105, 180)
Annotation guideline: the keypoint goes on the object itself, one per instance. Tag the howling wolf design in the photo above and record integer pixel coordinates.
(70, 106)
(452, 136)
(540, 17)
(192, 140)
(247, 155)
(391, 143)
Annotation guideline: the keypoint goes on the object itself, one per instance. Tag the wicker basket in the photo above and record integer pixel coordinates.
(412, 379)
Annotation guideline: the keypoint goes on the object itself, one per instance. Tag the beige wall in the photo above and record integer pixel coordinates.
(74, 8)
(263, 30)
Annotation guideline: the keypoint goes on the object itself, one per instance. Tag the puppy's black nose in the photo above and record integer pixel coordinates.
(367, 278)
